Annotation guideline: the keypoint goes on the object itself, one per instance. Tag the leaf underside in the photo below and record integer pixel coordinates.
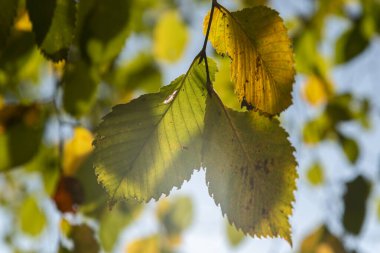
(250, 169)
(146, 147)
(262, 69)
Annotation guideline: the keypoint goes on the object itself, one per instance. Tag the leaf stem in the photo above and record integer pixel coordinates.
(202, 54)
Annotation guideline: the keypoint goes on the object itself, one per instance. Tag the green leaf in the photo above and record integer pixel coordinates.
(153, 143)
(19, 123)
(234, 236)
(351, 43)
(32, 218)
(7, 15)
(84, 239)
(315, 174)
(103, 29)
(112, 224)
(321, 240)
(176, 215)
(251, 155)
(80, 86)
(355, 200)
(170, 37)
(350, 148)
(53, 25)
(262, 59)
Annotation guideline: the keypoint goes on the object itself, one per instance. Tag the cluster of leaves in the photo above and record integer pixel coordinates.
(62, 67)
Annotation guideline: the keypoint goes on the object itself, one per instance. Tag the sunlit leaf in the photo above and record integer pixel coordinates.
(315, 174)
(21, 129)
(153, 143)
(262, 59)
(103, 29)
(234, 236)
(322, 241)
(76, 150)
(176, 215)
(170, 37)
(250, 169)
(316, 90)
(7, 15)
(145, 245)
(53, 24)
(23, 22)
(80, 86)
(355, 201)
(31, 217)
(223, 85)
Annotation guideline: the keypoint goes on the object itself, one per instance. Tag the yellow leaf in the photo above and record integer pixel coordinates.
(32, 218)
(23, 22)
(315, 174)
(170, 37)
(316, 91)
(76, 150)
(145, 245)
(262, 59)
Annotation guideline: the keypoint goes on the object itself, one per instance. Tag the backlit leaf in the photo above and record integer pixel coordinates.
(53, 25)
(32, 218)
(322, 241)
(7, 15)
(350, 148)
(315, 174)
(153, 143)
(76, 150)
(170, 37)
(317, 90)
(145, 245)
(234, 236)
(355, 201)
(262, 59)
(251, 155)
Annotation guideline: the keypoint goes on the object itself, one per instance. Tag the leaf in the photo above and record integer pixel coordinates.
(19, 123)
(112, 224)
(315, 174)
(176, 215)
(53, 25)
(317, 90)
(251, 155)
(32, 218)
(80, 86)
(145, 245)
(322, 241)
(170, 37)
(351, 43)
(69, 194)
(84, 239)
(145, 147)
(7, 15)
(76, 150)
(234, 236)
(355, 200)
(103, 29)
(350, 148)
(262, 59)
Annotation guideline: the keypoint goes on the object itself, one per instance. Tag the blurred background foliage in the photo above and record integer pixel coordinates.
(64, 63)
